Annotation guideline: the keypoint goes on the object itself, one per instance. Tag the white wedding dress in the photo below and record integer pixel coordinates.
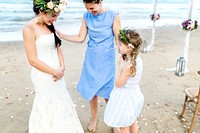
(53, 110)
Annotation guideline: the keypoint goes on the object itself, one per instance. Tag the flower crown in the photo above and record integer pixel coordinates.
(52, 6)
(122, 36)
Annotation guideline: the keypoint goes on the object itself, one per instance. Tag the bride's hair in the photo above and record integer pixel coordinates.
(50, 27)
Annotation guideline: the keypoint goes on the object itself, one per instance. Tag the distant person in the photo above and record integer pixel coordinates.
(53, 110)
(97, 79)
(126, 99)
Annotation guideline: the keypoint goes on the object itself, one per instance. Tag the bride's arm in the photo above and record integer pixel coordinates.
(30, 49)
(61, 59)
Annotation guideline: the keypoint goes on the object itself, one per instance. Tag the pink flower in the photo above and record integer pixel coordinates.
(155, 17)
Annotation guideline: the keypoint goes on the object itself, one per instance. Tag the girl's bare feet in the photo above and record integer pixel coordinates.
(92, 126)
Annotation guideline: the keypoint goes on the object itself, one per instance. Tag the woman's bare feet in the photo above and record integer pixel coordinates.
(116, 130)
(92, 126)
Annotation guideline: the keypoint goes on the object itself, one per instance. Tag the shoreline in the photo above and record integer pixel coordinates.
(163, 90)
(69, 29)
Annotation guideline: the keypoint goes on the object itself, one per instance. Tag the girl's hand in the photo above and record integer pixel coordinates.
(121, 62)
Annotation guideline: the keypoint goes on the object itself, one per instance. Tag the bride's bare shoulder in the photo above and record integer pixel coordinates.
(29, 27)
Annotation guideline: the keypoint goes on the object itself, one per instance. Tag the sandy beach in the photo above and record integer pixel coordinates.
(162, 89)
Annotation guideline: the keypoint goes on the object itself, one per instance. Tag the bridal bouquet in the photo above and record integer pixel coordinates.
(189, 25)
(155, 17)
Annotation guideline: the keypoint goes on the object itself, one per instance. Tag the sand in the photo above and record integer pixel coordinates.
(162, 89)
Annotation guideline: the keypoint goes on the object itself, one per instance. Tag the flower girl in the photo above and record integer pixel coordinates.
(126, 99)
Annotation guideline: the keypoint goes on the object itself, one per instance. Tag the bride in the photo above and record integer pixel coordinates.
(53, 110)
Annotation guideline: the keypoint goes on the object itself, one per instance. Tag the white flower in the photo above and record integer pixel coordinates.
(191, 25)
(130, 45)
(56, 9)
(61, 7)
(50, 5)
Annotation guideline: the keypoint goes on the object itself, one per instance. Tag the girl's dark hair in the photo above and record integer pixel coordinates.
(92, 1)
(51, 27)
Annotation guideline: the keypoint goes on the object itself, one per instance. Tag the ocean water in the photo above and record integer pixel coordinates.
(14, 14)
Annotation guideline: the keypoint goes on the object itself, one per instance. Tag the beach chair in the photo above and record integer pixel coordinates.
(192, 95)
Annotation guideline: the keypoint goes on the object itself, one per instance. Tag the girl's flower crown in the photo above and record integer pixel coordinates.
(122, 36)
(189, 25)
(52, 6)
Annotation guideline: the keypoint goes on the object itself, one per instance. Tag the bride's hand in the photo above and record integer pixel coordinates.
(55, 78)
(58, 75)
(61, 68)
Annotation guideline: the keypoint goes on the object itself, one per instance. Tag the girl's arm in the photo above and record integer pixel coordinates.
(122, 76)
(30, 49)
(116, 28)
(76, 38)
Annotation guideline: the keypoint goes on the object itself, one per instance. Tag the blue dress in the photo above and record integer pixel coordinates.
(98, 72)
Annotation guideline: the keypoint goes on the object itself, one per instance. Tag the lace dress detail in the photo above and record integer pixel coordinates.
(53, 110)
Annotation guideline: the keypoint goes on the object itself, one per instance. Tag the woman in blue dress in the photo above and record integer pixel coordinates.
(97, 78)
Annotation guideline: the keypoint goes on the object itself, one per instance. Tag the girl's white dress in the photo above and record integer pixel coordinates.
(53, 110)
(125, 103)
